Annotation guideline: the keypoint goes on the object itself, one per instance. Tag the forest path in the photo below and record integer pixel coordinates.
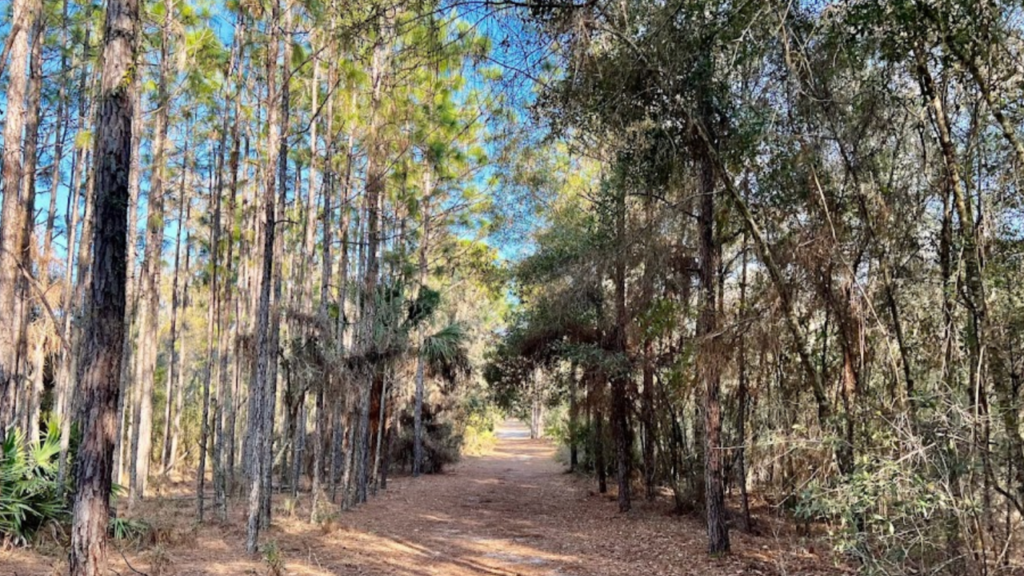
(511, 512)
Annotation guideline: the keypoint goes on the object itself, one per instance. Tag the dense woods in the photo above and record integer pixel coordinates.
(751, 257)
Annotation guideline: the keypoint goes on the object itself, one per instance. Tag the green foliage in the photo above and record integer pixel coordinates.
(273, 558)
(445, 355)
(29, 493)
(132, 531)
(481, 419)
(423, 307)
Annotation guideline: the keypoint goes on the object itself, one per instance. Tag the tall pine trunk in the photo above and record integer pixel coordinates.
(31, 360)
(417, 458)
(149, 321)
(619, 410)
(102, 350)
(175, 378)
(261, 387)
(709, 360)
(131, 304)
(15, 208)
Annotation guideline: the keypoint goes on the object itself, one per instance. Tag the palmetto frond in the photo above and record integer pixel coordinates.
(445, 355)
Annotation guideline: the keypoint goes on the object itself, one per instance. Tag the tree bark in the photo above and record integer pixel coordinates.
(149, 321)
(30, 362)
(261, 388)
(376, 171)
(15, 204)
(417, 452)
(620, 346)
(742, 395)
(175, 381)
(708, 362)
(134, 181)
(105, 325)
(325, 328)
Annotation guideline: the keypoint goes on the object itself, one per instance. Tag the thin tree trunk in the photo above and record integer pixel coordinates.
(211, 364)
(142, 431)
(278, 248)
(325, 328)
(60, 134)
(384, 391)
(174, 373)
(619, 416)
(708, 367)
(15, 208)
(599, 464)
(742, 395)
(216, 351)
(31, 364)
(230, 299)
(131, 304)
(650, 424)
(376, 171)
(339, 459)
(574, 417)
(76, 297)
(417, 458)
(179, 394)
(65, 376)
(261, 388)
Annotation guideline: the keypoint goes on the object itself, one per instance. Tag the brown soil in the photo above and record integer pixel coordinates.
(512, 512)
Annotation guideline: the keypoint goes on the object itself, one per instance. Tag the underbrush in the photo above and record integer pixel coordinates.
(479, 437)
(30, 497)
(442, 444)
(478, 441)
(34, 510)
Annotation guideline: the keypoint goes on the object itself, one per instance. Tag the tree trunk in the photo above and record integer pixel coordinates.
(325, 328)
(65, 387)
(149, 321)
(742, 400)
(619, 345)
(104, 329)
(376, 170)
(417, 452)
(599, 464)
(381, 416)
(261, 387)
(29, 367)
(15, 207)
(211, 364)
(574, 418)
(134, 181)
(174, 376)
(229, 299)
(708, 361)
(650, 423)
(270, 410)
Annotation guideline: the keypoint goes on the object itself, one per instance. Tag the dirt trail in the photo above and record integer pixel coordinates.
(511, 512)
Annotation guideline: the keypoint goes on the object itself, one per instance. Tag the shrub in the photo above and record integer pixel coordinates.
(132, 531)
(273, 558)
(29, 494)
(478, 441)
(441, 443)
(481, 418)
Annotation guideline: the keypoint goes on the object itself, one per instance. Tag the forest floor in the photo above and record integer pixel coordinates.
(511, 512)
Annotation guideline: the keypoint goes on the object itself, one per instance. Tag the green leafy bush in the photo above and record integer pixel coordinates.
(29, 494)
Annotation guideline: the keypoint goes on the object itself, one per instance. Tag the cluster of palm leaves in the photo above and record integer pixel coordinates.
(30, 496)
(444, 352)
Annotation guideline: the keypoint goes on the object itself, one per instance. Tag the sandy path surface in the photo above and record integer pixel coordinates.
(511, 512)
